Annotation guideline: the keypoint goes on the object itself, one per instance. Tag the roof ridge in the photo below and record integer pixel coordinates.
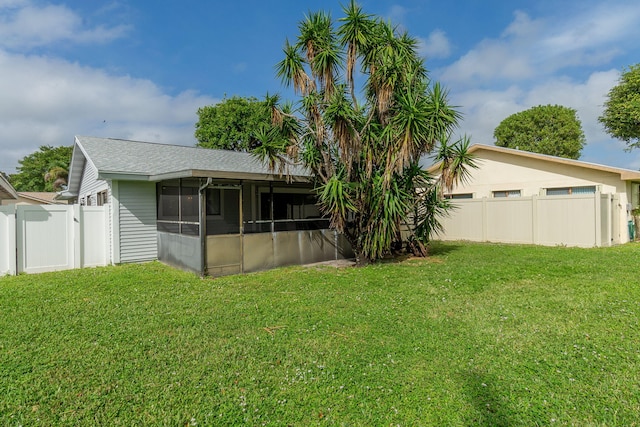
(163, 144)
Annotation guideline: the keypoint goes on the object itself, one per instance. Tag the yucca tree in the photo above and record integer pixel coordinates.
(364, 152)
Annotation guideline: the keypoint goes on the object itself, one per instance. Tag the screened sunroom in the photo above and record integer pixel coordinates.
(217, 227)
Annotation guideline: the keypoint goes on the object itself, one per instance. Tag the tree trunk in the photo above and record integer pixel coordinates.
(361, 260)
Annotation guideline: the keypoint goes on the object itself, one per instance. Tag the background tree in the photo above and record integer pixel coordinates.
(546, 129)
(40, 170)
(231, 124)
(365, 154)
(621, 116)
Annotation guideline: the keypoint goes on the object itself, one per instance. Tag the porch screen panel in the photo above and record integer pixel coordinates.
(223, 211)
(189, 207)
(178, 206)
(169, 206)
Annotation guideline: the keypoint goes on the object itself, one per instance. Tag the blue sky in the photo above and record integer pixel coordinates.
(140, 69)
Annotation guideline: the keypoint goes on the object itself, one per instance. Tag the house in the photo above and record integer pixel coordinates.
(522, 197)
(208, 211)
(7, 192)
(35, 198)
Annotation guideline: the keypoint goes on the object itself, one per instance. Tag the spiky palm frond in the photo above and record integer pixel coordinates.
(291, 70)
(456, 162)
(336, 201)
(270, 148)
(443, 117)
(354, 33)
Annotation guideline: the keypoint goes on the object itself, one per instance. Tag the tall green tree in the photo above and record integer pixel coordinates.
(546, 129)
(43, 170)
(621, 116)
(365, 153)
(231, 124)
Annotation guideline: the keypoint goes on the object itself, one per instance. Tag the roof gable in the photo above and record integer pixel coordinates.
(6, 189)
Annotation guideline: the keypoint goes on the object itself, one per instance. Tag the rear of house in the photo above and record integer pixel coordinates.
(520, 197)
(208, 211)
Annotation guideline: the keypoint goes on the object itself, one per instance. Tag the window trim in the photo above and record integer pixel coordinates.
(507, 194)
(570, 190)
(459, 196)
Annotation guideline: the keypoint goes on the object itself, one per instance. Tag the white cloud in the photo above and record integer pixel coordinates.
(30, 26)
(533, 62)
(532, 48)
(397, 13)
(6, 4)
(48, 101)
(437, 45)
(598, 28)
(485, 109)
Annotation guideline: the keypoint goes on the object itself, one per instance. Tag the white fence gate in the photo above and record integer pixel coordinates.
(577, 220)
(38, 238)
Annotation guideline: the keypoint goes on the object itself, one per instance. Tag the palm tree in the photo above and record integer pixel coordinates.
(365, 155)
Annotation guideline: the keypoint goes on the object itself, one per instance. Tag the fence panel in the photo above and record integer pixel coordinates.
(7, 240)
(60, 237)
(94, 236)
(464, 222)
(45, 237)
(509, 220)
(576, 220)
(568, 220)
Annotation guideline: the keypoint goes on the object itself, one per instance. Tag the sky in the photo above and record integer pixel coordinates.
(140, 69)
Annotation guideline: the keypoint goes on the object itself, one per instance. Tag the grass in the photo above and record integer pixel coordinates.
(478, 334)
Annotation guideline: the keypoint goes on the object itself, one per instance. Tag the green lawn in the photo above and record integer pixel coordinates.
(476, 335)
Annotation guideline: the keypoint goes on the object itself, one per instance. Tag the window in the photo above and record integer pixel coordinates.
(101, 198)
(459, 196)
(566, 191)
(635, 195)
(507, 193)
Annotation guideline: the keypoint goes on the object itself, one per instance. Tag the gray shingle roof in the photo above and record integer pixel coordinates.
(123, 157)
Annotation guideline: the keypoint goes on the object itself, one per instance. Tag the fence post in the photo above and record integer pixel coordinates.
(106, 210)
(13, 247)
(534, 219)
(8, 261)
(598, 219)
(76, 238)
(484, 219)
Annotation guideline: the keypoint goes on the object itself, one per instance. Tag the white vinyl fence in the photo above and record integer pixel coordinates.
(37, 238)
(576, 220)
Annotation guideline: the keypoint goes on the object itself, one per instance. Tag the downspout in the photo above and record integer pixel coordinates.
(202, 197)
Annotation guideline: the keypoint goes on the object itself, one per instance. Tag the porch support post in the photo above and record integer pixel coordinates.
(240, 202)
(273, 223)
(202, 226)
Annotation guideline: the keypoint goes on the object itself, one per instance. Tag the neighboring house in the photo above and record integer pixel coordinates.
(7, 192)
(523, 197)
(208, 211)
(35, 198)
